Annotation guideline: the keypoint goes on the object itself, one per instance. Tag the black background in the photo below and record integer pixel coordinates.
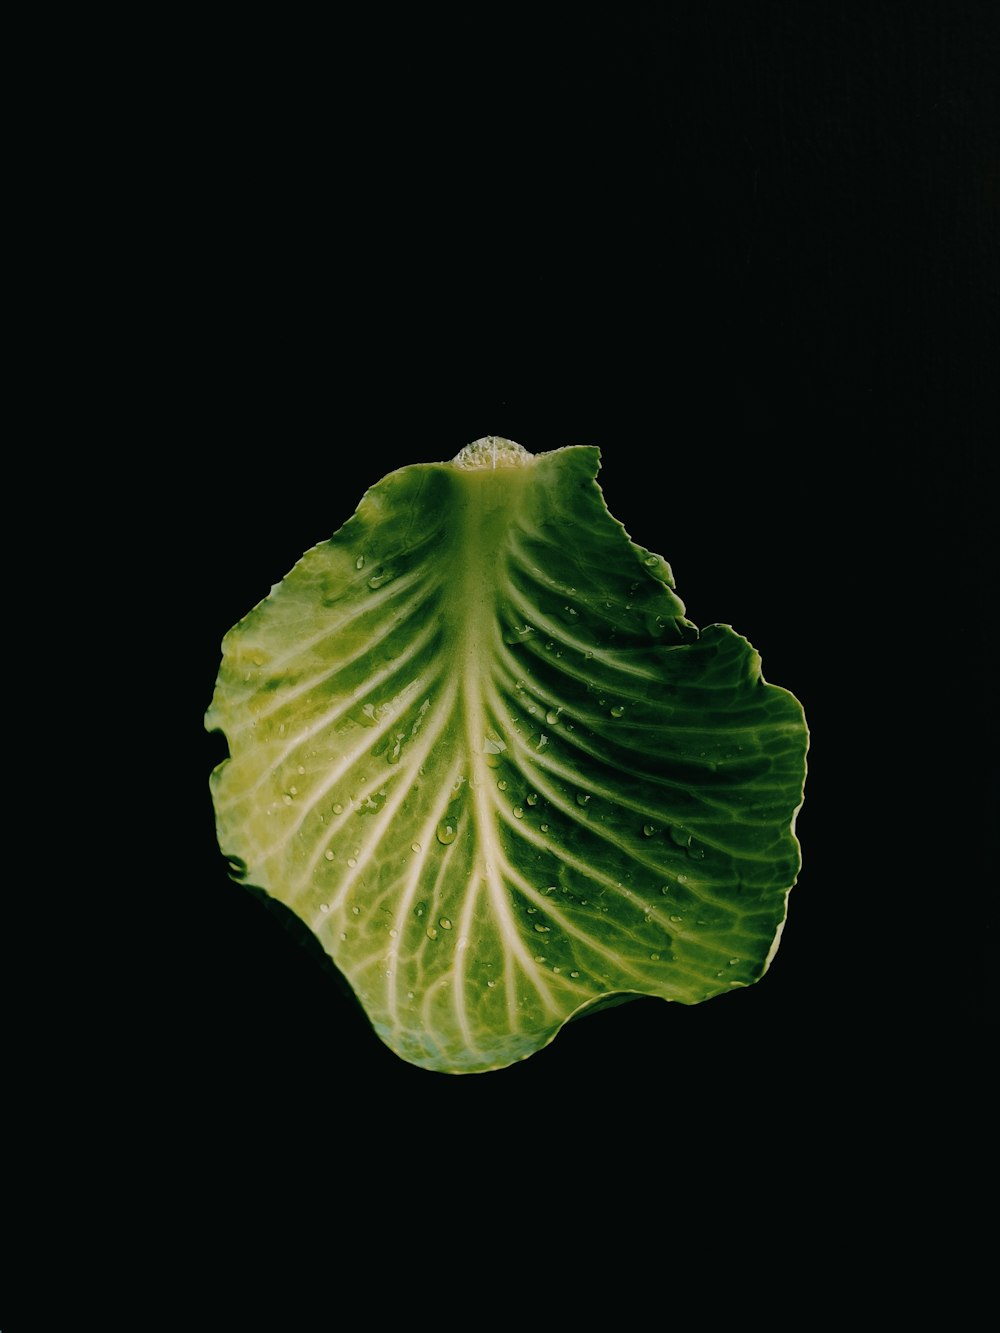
(751, 253)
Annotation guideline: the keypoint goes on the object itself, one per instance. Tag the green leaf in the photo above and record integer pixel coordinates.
(478, 749)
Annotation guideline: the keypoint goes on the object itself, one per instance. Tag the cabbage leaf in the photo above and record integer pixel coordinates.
(479, 750)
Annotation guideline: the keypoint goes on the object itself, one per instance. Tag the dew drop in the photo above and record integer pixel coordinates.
(552, 716)
(654, 957)
(544, 828)
(446, 832)
(648, 830)
(532, 798)
(501, 785)
(665, 890)
(574, 974)
(356, 911)
(588, 655)
(676, 917)
(328, 854)
(651, 561)
(409, 995)
(518, 812)
(352, 861)
(617, 710)
(360, 562)
(518, 635)
(542, 930)
(733, 962)
(582, 798)
(338, 809)
(420, 909)
(379, 577)
(491, 984)
(445, 923)
(431, 932)
(343, 934)
(324, 907)
(557, 969)
(393, 934)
